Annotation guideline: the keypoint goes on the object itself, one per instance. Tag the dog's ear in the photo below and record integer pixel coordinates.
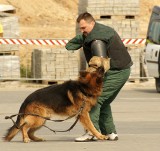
(70, 96)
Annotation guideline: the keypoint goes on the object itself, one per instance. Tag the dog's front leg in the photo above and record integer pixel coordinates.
(87, 123)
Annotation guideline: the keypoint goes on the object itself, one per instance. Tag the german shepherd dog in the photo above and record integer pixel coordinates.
(62, 99)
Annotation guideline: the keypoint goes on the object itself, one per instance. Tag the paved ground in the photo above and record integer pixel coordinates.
(136, 112)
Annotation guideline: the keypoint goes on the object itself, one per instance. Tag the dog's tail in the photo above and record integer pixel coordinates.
(12, 131)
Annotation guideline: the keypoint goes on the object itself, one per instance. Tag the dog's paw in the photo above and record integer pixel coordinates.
(26, 140)
(106, 137)
(40, 140)
(101, 137)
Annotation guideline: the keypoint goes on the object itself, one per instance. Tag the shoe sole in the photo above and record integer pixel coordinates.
(93, 140)
(115, 139)
(87, 140)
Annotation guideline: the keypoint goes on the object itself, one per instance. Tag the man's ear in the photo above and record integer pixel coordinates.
(93, 23)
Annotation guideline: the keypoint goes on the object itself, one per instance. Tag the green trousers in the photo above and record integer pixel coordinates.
(101, 114)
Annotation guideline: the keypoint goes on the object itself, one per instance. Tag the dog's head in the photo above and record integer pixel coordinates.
(96, 62)
(94, 78)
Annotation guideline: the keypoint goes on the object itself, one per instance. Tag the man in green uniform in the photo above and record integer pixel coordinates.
(100, 40)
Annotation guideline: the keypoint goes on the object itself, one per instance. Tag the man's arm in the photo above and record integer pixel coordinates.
(75, 43)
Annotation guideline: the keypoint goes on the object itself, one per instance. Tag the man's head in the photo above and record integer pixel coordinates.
(86, 23)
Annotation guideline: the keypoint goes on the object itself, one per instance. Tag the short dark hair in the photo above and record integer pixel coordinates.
(86, 16)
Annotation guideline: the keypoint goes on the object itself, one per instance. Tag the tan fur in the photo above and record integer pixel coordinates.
(96, 62)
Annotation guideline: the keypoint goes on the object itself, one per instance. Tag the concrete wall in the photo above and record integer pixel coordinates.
(9, 67)
(55, 64)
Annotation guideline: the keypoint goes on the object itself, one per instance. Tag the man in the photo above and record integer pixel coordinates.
(100, 40)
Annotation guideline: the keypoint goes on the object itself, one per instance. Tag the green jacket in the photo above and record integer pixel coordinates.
(120, 58)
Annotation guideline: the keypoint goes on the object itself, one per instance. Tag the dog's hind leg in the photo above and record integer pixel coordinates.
(31, 125)
(31, 135)
(25, 133)
(34, 123)
(29, 122)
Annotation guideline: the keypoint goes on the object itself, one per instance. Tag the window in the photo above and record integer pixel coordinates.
(154, 32)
